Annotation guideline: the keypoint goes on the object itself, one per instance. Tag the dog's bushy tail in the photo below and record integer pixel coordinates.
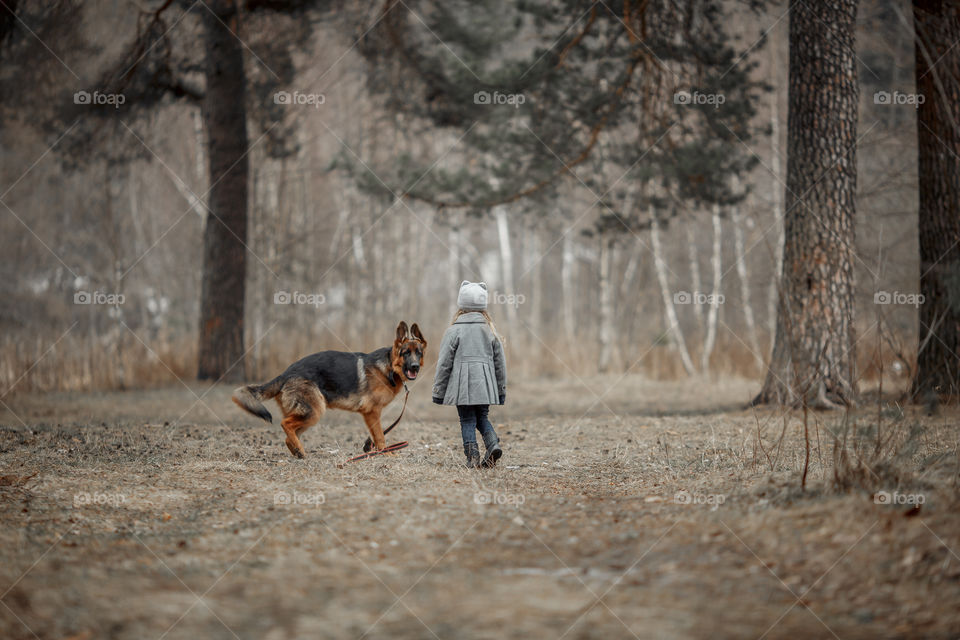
(250, 396)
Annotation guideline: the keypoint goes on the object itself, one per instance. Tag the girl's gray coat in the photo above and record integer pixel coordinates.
(471, 368)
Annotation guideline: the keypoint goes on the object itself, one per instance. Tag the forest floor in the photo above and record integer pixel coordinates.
(622, 508)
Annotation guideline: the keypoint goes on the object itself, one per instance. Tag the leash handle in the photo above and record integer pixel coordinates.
(369, 443)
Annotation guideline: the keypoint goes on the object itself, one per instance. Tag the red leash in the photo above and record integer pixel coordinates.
(368, 445)
(388, 449)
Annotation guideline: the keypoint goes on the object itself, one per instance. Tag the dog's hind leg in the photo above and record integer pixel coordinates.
(302, 405)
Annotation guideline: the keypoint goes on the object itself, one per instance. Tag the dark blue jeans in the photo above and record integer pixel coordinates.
(473, 418)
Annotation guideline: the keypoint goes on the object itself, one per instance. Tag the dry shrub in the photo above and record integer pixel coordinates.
(79, 362)
(872, 457)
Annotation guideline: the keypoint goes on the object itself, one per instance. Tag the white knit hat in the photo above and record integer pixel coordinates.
(472, 296)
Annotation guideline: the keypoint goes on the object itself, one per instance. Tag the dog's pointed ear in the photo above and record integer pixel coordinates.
(402, 331)
(483, 285)
(415, 332)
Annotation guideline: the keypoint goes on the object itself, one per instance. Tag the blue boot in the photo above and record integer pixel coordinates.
(472, 452)
(494, 452)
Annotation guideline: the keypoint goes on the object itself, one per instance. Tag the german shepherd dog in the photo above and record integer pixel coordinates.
(364, 383)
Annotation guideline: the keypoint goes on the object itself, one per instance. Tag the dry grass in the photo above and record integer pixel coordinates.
(126, 360)
(617, 501)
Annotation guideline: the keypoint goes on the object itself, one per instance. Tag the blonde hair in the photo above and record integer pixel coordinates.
(486, 316)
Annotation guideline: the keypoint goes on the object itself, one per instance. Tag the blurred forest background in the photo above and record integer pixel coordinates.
(602, 234)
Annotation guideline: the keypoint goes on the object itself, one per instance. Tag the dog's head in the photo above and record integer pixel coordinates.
(408, 348)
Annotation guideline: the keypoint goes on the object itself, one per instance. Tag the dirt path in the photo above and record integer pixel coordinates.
(153, 518)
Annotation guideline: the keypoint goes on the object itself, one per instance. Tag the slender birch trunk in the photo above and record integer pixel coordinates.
(673, 325)
(454, 256)
(693, 252)
(630, 272)
(715, 264)
(743, 275)
(255, 282)
(536, 291)
(506, 260)
(566, 284)
(606, 303)
(362, 278)
(773, 296)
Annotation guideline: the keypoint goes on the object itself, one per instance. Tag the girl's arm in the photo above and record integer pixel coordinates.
(500, 368)
(448, 349)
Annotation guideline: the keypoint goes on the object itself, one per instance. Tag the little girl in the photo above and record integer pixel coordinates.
(472, 372)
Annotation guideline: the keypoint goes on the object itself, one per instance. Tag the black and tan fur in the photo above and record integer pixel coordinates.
(364, 383)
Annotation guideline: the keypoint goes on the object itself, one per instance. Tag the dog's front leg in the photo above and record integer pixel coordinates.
(372, 418)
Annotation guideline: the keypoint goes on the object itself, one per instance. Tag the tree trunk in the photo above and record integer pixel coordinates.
(814, 362)
(715, 264)
(506, 261)
(199, 154)
(224, 237)
(566, 286)
(693, 253)
(673, 325)
(937, 25)
(606, 303)
(743, 273)
(773, 295)
(362, 280)
(453, 256)
(536, 291)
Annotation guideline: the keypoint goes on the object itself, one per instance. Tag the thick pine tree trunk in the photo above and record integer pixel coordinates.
(937, 25)
(225, 234)
(814, 361)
